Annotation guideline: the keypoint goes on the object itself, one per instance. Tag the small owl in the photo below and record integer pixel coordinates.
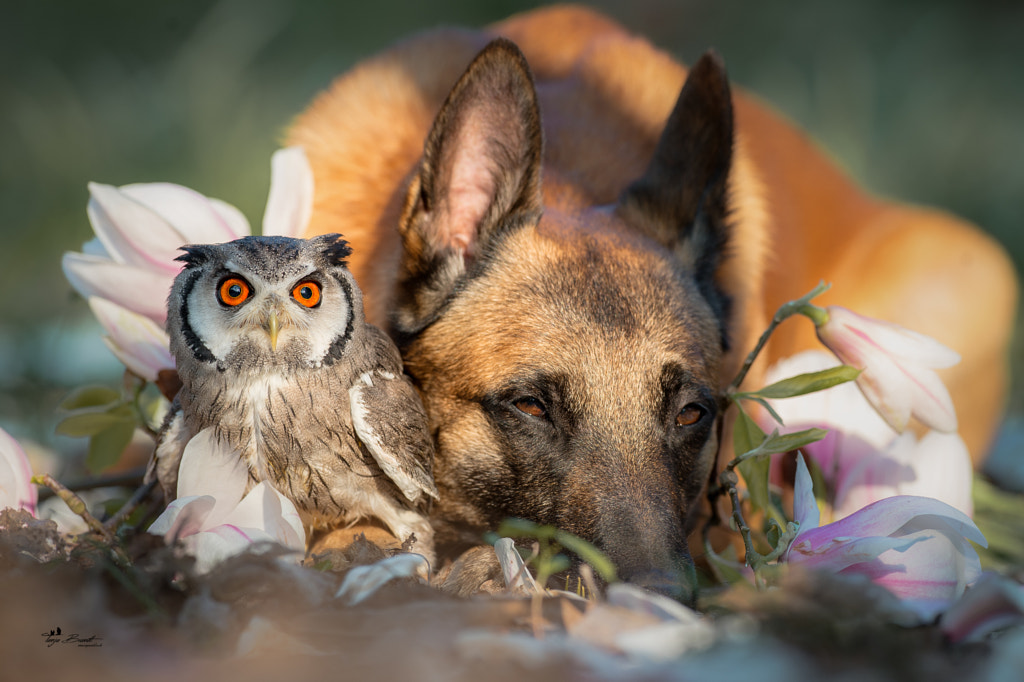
(274, 354)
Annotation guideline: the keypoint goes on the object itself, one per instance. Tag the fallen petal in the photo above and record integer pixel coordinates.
(362, 581)
(991, 604)
(518, 578)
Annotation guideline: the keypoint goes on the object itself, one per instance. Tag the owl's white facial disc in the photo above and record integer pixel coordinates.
(260, 303)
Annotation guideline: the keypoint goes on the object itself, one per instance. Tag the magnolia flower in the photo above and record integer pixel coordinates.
(862, 458)
(214, 517)
(126, 272)
(16, 489)
(897, 378)
(915, 547)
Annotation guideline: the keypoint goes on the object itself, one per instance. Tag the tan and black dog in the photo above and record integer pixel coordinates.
(575, 248)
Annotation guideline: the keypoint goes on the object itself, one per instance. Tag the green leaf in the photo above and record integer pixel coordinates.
(727, 569)
(597, 559)
(89, 396)
(105, 447)
(808, 383)
(755, 472)
(791, 441)
(746, 434)
(521, 528)
(90, 421)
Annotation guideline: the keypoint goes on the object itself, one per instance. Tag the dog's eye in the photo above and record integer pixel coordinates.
(531, 407)
(690, 415)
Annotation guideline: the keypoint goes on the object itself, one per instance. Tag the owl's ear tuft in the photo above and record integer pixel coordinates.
(336, 249)
(195, 255)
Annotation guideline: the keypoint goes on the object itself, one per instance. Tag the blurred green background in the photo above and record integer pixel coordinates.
(921, 100)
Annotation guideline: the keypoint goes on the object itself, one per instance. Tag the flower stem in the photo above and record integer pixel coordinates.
(801, 306)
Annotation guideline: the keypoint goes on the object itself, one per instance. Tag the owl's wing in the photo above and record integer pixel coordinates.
(170, 444)
(390, 421)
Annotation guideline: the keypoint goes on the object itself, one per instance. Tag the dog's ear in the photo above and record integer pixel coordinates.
(681, 200)
(480, 179)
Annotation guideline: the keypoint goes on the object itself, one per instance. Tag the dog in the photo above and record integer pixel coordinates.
(575, 241)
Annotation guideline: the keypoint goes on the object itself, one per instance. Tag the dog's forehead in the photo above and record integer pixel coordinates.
(573, 304)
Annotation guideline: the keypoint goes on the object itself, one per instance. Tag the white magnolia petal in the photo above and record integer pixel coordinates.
(209, 468)
(198, 219)
(874, 475)
(883, 384)
(183, 517)
(264, 508)
(16, 489)
(143, 291)
(131, 232)
(138, 342)
(931, 404)
(290, 203)
(841, 407)
(943, 471)
(805, 507)
(221, 542)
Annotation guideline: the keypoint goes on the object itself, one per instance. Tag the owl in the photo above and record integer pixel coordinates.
(274, 354)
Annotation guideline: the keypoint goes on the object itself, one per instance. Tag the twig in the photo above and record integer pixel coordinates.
(132, 476)
(128, 507)
(77, 505)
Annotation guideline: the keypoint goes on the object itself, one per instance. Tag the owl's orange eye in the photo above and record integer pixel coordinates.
(233, 291)
(307, 293)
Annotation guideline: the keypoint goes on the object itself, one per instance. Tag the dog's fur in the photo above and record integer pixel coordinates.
(575, 251)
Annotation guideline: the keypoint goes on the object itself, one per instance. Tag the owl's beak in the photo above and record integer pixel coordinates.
(272, 329)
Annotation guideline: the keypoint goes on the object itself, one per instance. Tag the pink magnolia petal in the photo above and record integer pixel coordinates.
(183, 517)
(143, 291)
(928, 575)
(991, 604)
(137, 342)
(198, 219)
(209, 468)
(16, 489)
(131, 232)
(838, 553)
(898, 341)
(886, 517)
(290, 203)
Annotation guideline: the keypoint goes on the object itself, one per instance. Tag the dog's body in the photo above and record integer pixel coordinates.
(570, 311)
